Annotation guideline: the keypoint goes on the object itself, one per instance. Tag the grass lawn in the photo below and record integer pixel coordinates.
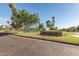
(67, 36)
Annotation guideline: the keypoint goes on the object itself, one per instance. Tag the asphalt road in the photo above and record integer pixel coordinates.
(19, 46)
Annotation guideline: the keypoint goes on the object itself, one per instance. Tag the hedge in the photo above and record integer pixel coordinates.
(51, 33)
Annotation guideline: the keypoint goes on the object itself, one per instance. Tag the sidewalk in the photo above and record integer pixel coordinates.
(76, 34)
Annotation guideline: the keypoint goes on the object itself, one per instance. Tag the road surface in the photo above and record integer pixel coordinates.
(19, 46)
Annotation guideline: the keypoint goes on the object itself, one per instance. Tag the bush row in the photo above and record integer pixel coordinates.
(51, 33)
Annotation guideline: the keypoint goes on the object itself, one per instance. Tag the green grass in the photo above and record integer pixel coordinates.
(67, 36)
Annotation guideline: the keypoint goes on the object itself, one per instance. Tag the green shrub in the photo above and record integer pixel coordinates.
(51, 33)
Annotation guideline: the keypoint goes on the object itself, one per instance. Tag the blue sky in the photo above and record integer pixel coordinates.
(66, 15)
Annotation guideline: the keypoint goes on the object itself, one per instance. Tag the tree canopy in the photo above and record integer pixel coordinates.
(50, 23)
(23, 19)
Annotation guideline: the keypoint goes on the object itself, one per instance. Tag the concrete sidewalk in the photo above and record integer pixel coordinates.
(76, 34)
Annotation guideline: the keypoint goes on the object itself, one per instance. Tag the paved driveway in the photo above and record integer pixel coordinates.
(15, 45)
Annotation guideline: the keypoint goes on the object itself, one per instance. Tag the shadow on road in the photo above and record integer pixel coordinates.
(4, 33)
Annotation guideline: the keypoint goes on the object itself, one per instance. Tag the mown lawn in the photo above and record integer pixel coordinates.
(67, 36)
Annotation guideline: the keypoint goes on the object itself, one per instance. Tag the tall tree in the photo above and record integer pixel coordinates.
(32, 20)
(53, 22)
(14, 15)
(41, 26)
(50, 23)
(13, 8)
(23, 19)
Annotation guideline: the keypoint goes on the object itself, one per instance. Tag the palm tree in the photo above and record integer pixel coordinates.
(53, 22)
(53, 17)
